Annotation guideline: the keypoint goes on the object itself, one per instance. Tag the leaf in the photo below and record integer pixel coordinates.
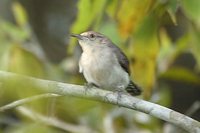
(181, 74)
(192, 10)
(112, 8)
(24, 127)
(87, 14)
(194, 40)
(19, 60)
(11, 32)
(172, 9)
(145, 50)
(110, 30)
(130, 14)
(19, 14)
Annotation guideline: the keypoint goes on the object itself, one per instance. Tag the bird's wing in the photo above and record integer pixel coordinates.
(123, 60)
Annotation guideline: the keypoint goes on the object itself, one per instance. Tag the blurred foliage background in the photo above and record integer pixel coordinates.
(160, 37)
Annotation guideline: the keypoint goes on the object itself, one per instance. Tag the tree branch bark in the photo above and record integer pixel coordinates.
(124, 100)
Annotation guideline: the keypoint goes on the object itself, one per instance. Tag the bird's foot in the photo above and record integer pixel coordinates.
(88, 86)
(119, 95)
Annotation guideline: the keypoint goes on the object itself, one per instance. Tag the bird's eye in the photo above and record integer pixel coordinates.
(92, 35)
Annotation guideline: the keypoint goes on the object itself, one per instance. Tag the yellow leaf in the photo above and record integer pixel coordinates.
(145, 50)
(130, 13)
(19, 13)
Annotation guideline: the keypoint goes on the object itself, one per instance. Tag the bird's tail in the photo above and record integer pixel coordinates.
(133, 89)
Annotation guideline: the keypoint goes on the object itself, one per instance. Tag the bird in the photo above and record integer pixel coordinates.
(104, 65)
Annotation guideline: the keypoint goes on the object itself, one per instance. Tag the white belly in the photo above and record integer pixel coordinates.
(104, 71)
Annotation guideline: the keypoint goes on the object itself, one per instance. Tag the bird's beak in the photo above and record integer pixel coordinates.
(79, 37)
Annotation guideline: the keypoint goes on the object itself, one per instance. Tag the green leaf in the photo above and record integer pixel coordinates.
(192, 10)
(19, 14)
(110, 30)
(19, 60)
(88, 12)
(194, 37)
(11, 32)
(112, 7)
(145, 50)
(172, 9)
(181, 74)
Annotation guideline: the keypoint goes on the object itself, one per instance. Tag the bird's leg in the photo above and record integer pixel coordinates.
(119, 92)
(88, 86)
(119, 95)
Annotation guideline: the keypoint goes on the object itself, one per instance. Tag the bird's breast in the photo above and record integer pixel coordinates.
(97, 65)
(102, 68)
(97, 61)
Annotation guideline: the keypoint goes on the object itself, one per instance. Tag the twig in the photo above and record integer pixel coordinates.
(127, 101)
(108, 124)
(26, 100)
(52, 121)
(194, 107)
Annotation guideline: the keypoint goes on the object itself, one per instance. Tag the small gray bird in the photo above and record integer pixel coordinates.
(103, 64)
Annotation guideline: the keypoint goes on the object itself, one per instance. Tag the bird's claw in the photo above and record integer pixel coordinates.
(88, 86)
(119, 95)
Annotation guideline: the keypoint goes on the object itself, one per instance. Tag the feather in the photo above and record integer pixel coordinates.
(133, 89)
(123, 60)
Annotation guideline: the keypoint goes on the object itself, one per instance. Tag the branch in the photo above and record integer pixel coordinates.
(124, 100)
(52, 121)
(26, 100)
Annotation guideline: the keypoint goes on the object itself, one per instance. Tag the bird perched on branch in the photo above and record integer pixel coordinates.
(103, 64)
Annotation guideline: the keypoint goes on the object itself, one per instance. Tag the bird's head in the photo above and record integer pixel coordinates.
(91, 39)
